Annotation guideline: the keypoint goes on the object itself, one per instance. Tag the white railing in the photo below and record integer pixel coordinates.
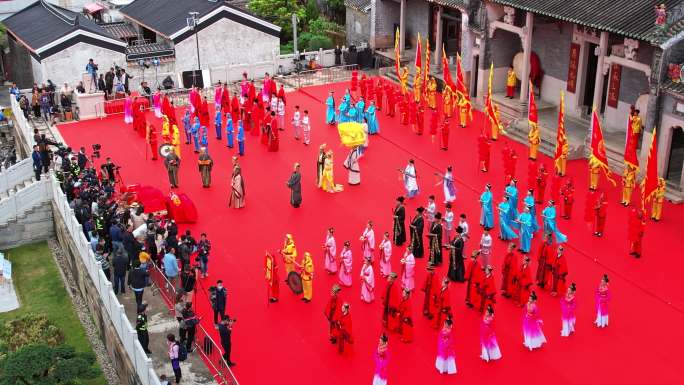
(16, 174)
(18, 203)
(25, 129)
(114, 309)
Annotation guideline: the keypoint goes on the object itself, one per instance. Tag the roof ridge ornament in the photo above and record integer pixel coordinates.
(59, 14)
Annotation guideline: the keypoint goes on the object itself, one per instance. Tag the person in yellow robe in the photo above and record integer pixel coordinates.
(463, 110)
(447, 100)
(175, 140)
(562, 161)
(403, 80)
(594, 172)
(534, 139)
(417, 87)
(496, 128)
(289, 253)
(628, 183)
(432, 93)
(327, 182)
(307, 277)
(165, 133)
(511, 82)
(657, 207)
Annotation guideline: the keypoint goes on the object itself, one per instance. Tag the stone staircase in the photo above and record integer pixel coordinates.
(15, 178)
(32, 225)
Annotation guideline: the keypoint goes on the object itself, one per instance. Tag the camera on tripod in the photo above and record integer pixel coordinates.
(96, 150)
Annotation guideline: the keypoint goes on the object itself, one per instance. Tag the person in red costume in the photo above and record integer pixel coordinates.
(273, 280)
(413, 112)
(195, 101)
(509, 271)
(363, 85)
(430, 288)
(273, 137)
(555, 187)
(637, 225)
(483, 152)
(225, 101)
(151, 139)
(442, 304)
(354, 80)
(258, 117)
(523, 284)
(390, 304)
(343, 328)
(487, 290)
(139, 121)
(510, 158)
(434, 122)
(532, 174)
(559, 273)
(169, 111)
(204, 113)
(281, 94)
(444, 137)
(568, 195)
(420, 120)
(406, 317)
(473, 277)
(266, 126)
(541, 184)
(404, 109)
(379, 89)
(544, 261)
(332, 312)
(235, 107)
(600, 213)
(251, 95)
(391, 99)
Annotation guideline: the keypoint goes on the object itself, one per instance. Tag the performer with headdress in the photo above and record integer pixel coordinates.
(442, 304)
(289, 252)
(406, 317)
(332, 313)
(307, 268)
(456, 260)
(490, 347)
(658, 199)
(367, 281)
(511, 191)
(410, 179)
(330, 252)
(381, 356)
(523, 282)
(509, 271)
(435, 236)
(399, 217)
(229, 131)
(505, 231)
(602, 301)
(343, 328)
(568, 197)
(345, 275)
(385, 257)
(542, 175)
(487, 289)
(532, 333)
(351, 163)
(635, 231)
(327, 182)
(568, 306)
(559, 273)
(416, 227)
(544, 261)
(446, 356)
(430, 288)
(473, 277)
(483, 152)
(218, 123)
(549, 215)
(151, 138)
(390, 303)
(487, 212)
(524, 221)
(448, 185)
(237, 195)
(320, 164)
(530, 204)
(408, 273)
(272, 279)
(600, 213)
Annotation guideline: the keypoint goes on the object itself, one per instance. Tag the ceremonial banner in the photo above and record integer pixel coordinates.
(614, 85)
(490, 109)
(573, 66)
(598, 157)
(446, 74)
(426, 78)
(561, 139)
(397, 53)
(631, 146)
(650, 183)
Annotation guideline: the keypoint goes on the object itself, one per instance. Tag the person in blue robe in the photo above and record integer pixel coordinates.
(204, 139)
(241, 138)
(505, 224)
(549, 215)
(330, 117)
(218, 123)
(525, 224)
(530, 204)
(195, 134)
(360, 110)
(186, 127)
(487, 212)
(512, 192)
(229, 130)
(372, 119)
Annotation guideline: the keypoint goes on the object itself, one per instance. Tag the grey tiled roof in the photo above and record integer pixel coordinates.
(450, 3)
(359, 5)
(630, 18)
(120, 30)
(677, 88)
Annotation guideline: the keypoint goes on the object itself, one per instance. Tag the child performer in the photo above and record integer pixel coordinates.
(602, 300)
(296, 122)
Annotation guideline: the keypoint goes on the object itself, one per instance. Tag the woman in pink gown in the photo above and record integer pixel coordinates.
(568, 306)
(490, 347)
(330, 251)
(381, 356)
(368, 241)
(345, 275)
(385, 249)
(218, 95)
(532, 333)
(602, 300)
(128, 109)
(156, 103)
(446, 356)
(367, 282)
(408, 272)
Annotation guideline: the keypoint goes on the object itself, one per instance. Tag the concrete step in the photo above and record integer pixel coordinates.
(673, 193)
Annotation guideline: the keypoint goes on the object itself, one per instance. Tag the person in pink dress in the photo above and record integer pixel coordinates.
(345, 275)
(568, 306)
(330, 252)
(128, 109)
(490, 347)
(218, 95)
(408, 270)
(446, 356)
(156, 103)
(368, 241)
(367, 281)
(385, 249)
(381, 356)
(602, 300)
(532, 333)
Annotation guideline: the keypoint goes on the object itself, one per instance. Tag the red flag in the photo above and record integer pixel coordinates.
(532, 114)
(561, 139)
(490, 107)
(461, 89)
(419, 56)
(649, 185)
(630, 146)
(446, 74)
(426, 79)
(598, 157)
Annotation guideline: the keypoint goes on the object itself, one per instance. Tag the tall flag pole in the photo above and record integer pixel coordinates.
(397, 53)
(461, 90)
(426, 78)
(446, 74)
(418, 78)
(649, 186)
(490, 108)
(598, 157)
(561, 139)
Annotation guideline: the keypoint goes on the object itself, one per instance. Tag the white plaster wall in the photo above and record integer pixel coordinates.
(616, 118)
(37, 70)
(69, 64)
(226, 42)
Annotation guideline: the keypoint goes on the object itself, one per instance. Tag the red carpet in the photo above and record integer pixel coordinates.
(287, 342)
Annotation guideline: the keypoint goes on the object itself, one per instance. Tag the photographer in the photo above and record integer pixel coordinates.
(82, 158)
(225, 330)
(190, 321)
(91, 69)
(111, 170)
(188, 280)
(203, 247)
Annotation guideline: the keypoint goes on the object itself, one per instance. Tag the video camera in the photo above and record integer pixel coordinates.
(96, 150)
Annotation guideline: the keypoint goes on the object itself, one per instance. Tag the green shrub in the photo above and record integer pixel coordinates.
(30, 329)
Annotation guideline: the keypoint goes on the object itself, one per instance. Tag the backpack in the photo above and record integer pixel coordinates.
(182, 352)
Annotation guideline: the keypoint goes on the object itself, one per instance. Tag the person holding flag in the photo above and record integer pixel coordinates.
(598, 161)
(560, 157)
(418, 78)
(533, 136)
(464, 105)
(491, 110)
(652, 185)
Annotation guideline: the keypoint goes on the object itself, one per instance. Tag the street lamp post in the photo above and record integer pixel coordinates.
(192, 23)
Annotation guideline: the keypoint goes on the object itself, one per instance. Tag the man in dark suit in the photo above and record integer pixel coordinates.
(37, 162)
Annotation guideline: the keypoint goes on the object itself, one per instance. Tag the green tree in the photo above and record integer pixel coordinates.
(279, 12)
(30, 329)
(44, 365)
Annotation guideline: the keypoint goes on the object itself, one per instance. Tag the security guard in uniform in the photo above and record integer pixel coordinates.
(141, 328)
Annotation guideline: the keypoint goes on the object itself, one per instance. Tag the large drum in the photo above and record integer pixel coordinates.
(294, 281)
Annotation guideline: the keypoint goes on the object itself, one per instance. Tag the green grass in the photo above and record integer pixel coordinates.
(41, 291)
